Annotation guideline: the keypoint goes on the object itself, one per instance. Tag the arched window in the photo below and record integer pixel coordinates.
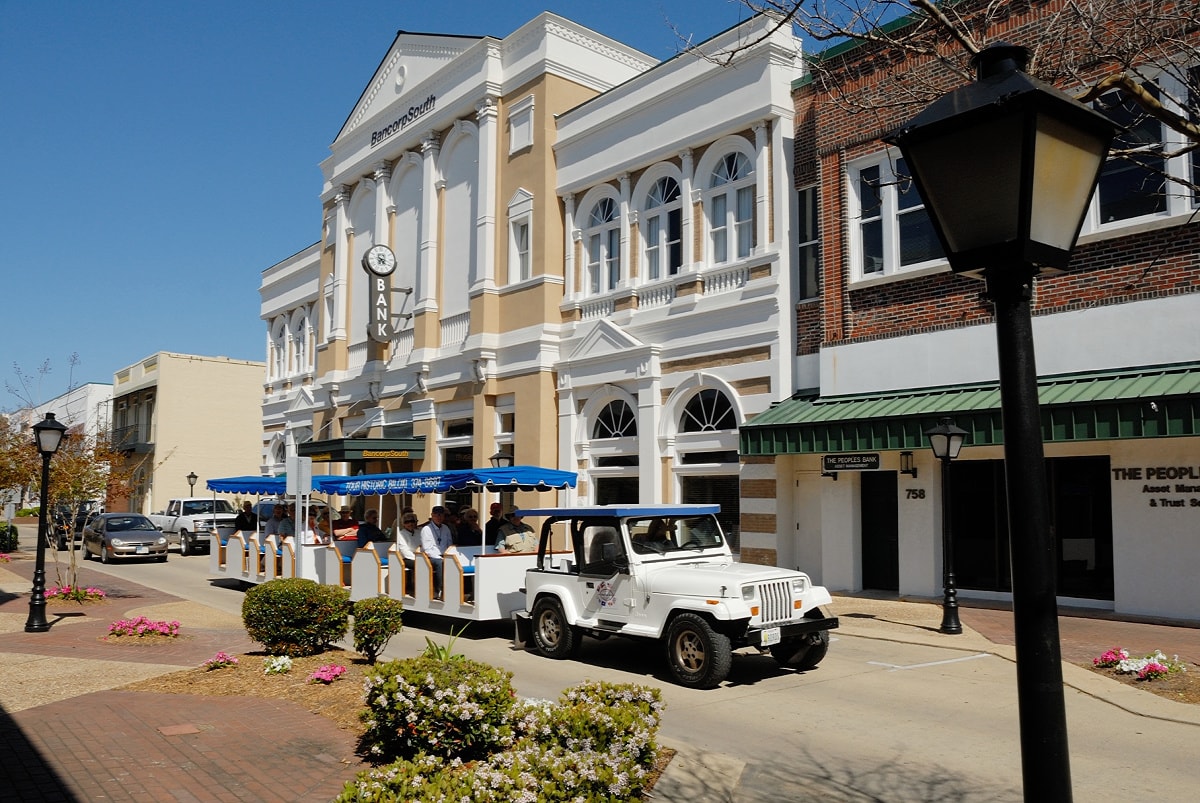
(279, 349)
(707, 411)
(731, 208)
(616, 420)
(661, 229)
(603, 238)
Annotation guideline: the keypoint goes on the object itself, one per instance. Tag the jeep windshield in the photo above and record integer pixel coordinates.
(659, 535)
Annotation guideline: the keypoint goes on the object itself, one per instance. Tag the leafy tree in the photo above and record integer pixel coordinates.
(1102, 50)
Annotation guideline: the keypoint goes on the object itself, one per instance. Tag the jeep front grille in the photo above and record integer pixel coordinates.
(776, 600)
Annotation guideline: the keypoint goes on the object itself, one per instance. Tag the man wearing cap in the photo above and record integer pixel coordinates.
(491, 530)
(368, 529)
(436, 538)
(516, 534)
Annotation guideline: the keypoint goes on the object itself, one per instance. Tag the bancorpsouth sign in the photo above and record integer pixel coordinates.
(400, 123)
(385, 453)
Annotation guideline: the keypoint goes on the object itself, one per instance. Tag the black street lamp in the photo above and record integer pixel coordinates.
(47, 436)
(1007, 166)
(946, 441)
(501, 459)
(191, 478)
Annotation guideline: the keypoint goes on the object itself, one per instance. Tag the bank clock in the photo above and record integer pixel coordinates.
(379, 260)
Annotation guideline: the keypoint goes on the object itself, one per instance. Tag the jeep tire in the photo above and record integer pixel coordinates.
(699, 657)
(552, 635)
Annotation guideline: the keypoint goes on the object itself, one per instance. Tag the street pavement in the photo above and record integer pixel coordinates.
(87, 742)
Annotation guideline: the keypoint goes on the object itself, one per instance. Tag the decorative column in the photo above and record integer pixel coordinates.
(626, 267)
(686, 210)
(382, 174)
(484, 272)
(569, 286)
(762, 184)
(342, 232)
(426, 288)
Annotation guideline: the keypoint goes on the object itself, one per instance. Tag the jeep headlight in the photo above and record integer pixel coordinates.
(747, 593)
(799, 585)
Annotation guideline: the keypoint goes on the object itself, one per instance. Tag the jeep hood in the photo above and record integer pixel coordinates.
(707, 579)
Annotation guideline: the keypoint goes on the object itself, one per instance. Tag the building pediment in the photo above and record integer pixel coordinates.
(302, 402)
(604, 340)
(393, 94)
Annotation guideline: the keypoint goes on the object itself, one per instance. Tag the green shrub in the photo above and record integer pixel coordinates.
(296, 617)
(8, 538)
(376, 620)
(456, 708)
(595, 744)
(28, 512)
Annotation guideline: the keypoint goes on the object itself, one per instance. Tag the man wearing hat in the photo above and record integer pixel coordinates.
(436, 538)
(516, 534)
(345, 527)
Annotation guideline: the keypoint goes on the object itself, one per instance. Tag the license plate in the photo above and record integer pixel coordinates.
(770, 636)
(143, 550)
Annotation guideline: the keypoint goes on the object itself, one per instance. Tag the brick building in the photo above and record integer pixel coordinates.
(889, 341)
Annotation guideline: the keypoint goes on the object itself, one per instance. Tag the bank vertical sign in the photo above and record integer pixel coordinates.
(379, 263)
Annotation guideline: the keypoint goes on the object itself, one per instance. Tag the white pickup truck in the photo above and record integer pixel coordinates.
(191, 521)
(665, 572)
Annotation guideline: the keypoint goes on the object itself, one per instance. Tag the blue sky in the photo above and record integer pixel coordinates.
(160, 155)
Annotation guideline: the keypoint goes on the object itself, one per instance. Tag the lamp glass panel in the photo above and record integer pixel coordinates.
(971, 180)
(1066, 162)
(48, 439)
(955, 444)
(940, 444)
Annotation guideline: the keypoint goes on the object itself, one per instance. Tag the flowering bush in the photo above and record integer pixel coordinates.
(75, 594)
(454, 708)
(4, 558)
(219, 660)
(141, 626)
(595, 744)
(277, 665)
(327, 674)
(1155, 665)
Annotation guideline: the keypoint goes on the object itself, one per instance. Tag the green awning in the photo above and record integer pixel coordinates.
(1152, 402)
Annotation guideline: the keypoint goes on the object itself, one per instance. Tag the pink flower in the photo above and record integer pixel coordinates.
(327, 674)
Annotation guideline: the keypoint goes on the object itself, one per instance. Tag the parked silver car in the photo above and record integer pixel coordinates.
(123, 535)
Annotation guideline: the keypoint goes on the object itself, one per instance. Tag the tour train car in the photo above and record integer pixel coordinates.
(478, 583)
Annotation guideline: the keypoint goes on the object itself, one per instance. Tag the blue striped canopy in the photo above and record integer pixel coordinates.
(263, 486)
(516, 478)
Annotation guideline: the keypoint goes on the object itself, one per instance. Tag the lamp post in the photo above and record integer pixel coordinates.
(946, 441)
(47, 435)
(1007, 166)
(501, 459)
(191, 478)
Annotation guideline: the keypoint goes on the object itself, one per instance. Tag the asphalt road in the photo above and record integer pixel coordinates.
(877, 720)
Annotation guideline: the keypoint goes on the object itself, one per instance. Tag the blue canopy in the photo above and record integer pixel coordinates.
(263, 486)
(522, 478)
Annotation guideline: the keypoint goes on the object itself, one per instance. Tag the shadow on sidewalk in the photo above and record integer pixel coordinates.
(24, 773)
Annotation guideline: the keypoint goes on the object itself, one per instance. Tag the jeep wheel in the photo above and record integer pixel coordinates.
(183, 544)
(804, 653)
(552, 636)
(699, 656)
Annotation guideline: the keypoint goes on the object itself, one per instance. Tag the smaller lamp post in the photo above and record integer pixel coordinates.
(501, 459)
(946, 441)
(47, 435)
(191, 478)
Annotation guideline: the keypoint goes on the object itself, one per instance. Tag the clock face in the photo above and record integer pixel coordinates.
(380, 260)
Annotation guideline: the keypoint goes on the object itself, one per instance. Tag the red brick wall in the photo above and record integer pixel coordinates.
(836, 128)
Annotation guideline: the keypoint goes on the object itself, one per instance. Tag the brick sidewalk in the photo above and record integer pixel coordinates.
(143, 746)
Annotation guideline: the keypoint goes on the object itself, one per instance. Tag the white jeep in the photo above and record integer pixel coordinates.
(665, 572)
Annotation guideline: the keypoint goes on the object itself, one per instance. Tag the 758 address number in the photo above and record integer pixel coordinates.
(914, 493)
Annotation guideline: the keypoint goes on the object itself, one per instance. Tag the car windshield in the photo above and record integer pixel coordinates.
(662, 534)
(125, 523)
(206, 506)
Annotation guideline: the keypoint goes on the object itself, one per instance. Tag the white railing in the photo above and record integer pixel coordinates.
(454, 331)
(356, 356)
(726, 281)
(402, 346)
(596, 308)
(660, 295)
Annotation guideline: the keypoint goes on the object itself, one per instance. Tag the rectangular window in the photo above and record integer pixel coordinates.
(719, 228)
(521, 242)
(807, 261)
(1134, 185)
(674, 241)
(894, 232)
(653, 227)
(594, 262)
(745, 221)
(613, 257)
